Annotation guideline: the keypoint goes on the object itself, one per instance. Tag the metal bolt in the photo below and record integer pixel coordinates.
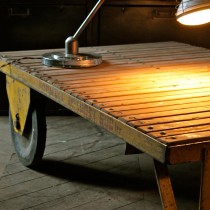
(17, 122)
(163, 133)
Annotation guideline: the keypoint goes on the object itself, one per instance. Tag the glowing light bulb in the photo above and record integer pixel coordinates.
(195, 18)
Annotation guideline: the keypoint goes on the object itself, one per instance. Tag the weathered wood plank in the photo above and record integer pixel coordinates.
(133, 101)
(135, 108)
(165, 113)
(198, 136)
(174, 106)
(135, 72)
(172, 119)
(106, 170)
(14, 194)
(175, 125)
(174, 132)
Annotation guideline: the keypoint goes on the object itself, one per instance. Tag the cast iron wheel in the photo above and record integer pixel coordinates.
(30, 146)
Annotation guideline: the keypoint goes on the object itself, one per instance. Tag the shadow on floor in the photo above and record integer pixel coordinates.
(92, 176)
(185, 185)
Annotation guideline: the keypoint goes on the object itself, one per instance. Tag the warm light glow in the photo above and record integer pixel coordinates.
(196, 18)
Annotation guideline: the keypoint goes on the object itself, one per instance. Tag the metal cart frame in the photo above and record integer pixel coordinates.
(29, 82)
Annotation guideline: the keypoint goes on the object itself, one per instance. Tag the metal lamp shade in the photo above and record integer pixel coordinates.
(193, 12)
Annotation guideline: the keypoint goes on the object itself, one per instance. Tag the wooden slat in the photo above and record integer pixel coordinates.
(148, 98)
(132, 66)
(139, 79)
(177, 131)
(199, 136)
(176, 118)
(163, 105)
(173, 125)
(138, 91)
(128, 71)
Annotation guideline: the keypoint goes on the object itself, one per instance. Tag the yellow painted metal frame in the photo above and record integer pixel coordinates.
(19, 100)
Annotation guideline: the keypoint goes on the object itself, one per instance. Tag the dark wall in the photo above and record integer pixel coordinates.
(29, 24)
(39, 25)
(121, 22)
(42, 24)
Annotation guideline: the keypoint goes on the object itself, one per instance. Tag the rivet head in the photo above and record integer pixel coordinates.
(16, 122)
(162, 132)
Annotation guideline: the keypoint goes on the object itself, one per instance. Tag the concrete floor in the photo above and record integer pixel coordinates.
(84, 167)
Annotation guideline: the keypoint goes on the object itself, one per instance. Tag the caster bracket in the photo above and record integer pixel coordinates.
(19, 100)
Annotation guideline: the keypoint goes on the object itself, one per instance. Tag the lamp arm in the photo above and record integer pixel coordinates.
(71, 43)
(88, 18)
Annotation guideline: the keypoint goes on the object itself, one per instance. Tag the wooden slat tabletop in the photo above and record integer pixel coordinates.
(161, 89)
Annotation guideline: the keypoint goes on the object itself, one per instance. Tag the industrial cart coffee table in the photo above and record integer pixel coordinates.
(155, 96)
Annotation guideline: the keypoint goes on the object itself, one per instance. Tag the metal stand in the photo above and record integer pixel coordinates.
(72, 58)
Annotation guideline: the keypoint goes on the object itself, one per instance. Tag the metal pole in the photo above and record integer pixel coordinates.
(71, 43)
(88, 18)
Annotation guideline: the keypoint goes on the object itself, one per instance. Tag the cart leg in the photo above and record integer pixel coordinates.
(164, 186)
(205, 182)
